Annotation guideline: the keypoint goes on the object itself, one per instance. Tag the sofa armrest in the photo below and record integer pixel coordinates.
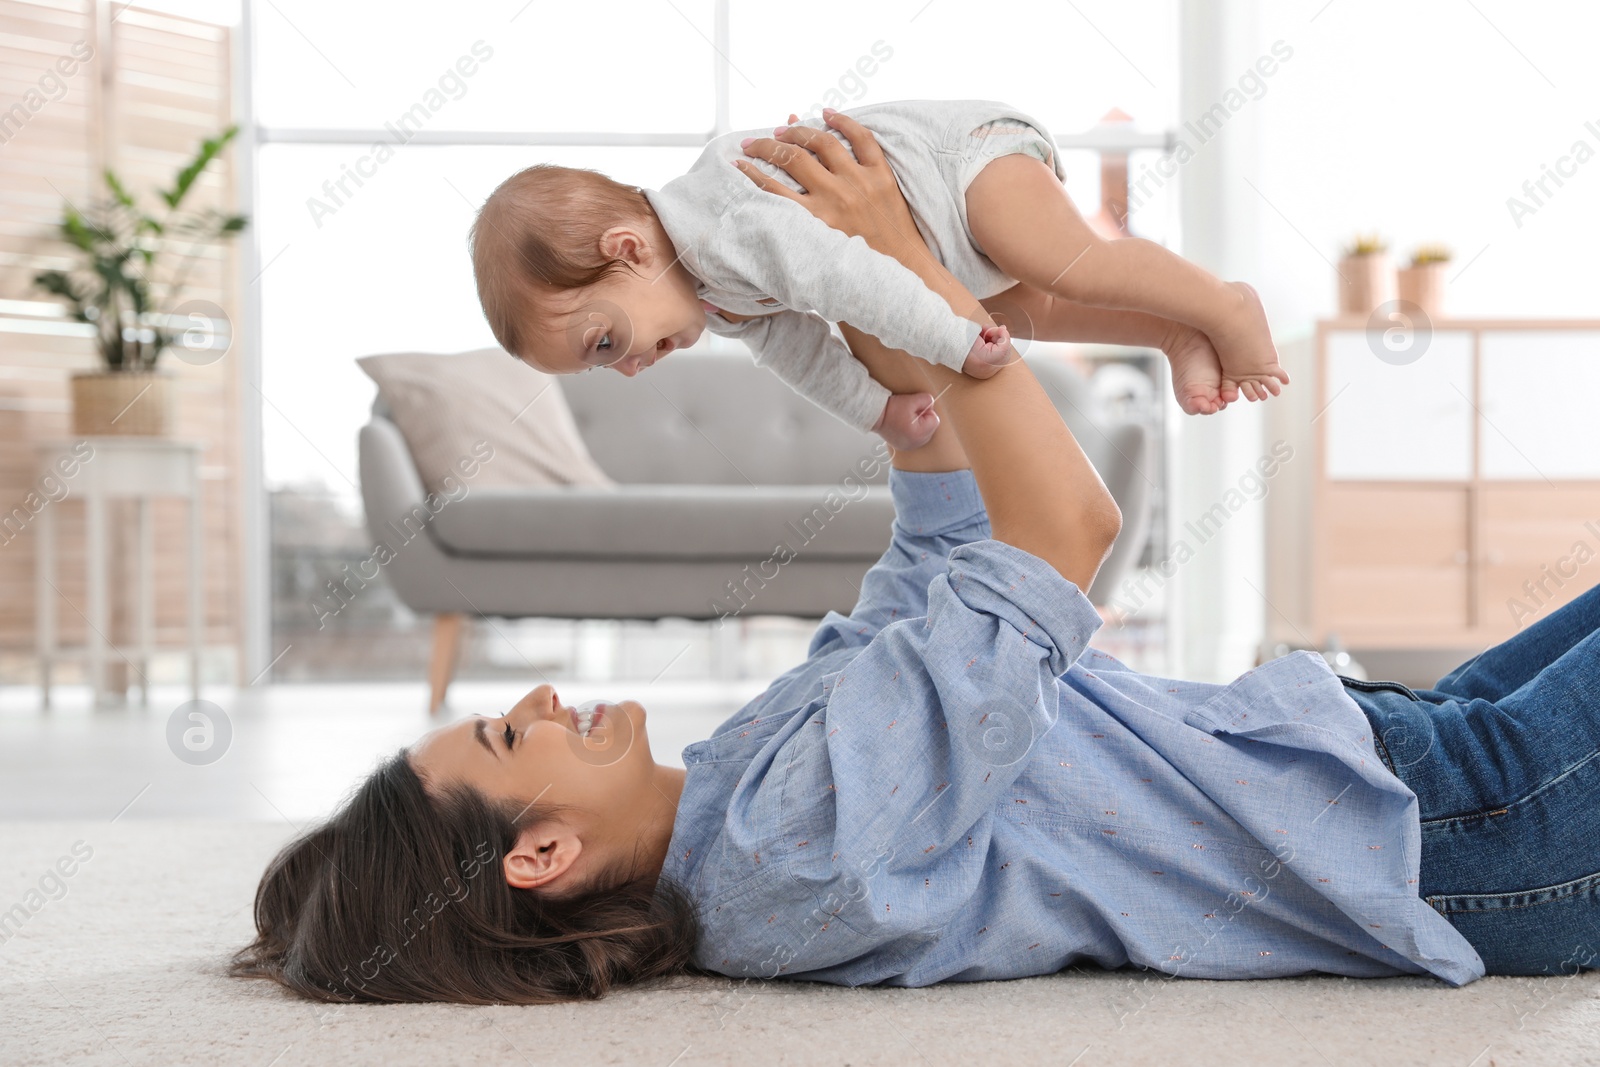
(391, 489)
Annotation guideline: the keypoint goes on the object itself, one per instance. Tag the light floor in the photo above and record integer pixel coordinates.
(121, 962)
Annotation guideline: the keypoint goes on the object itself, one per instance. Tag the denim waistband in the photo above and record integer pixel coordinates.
(1361, 685)
(1362, 689)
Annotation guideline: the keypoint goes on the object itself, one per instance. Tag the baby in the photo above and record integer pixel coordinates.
(577, 271)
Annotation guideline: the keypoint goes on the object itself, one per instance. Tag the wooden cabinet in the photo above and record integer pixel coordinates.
(1457, 495)
(1396, 557)
(1539, 548)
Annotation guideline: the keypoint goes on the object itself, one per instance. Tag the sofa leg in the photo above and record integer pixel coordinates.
(446, 648)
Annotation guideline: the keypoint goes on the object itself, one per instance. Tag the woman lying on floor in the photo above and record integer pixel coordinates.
(955, 786)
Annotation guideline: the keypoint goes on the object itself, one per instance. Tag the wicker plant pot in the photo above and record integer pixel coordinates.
(1423, 285)
(1365, 282)
(106, 403)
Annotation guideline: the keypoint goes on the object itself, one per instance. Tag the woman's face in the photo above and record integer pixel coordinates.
(541, 751)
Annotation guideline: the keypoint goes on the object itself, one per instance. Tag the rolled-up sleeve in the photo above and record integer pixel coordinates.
(934, 515)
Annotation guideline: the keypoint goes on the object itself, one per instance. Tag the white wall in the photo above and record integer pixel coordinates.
(1419, 120)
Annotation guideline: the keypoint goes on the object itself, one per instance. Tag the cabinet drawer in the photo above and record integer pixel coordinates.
(1400, 526)
(1540, 547)
(1377, 598)
(1394, 557)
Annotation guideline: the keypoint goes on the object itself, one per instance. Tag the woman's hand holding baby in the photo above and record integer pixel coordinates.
(1008, 428)
(858, 194)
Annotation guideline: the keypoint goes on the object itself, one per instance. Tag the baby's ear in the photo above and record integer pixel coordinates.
(625, 243)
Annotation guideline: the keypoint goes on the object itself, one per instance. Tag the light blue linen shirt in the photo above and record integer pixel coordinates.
(954, 786)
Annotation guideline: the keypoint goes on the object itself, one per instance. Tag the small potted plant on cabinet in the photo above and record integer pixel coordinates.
(1422, 283)
(1366, 276)
(128, 288)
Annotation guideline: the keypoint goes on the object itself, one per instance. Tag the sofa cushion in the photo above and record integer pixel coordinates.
(668, 522)
(449, 407)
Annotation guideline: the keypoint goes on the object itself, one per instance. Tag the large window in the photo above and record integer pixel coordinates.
(354, 264)
(383, 128)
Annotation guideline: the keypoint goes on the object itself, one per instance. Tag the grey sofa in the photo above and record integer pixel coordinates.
(736, 497)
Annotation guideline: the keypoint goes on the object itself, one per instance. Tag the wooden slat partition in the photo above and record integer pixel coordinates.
(153, 87)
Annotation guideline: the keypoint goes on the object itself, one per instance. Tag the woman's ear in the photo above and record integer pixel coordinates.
(541, 855)
(627, 244)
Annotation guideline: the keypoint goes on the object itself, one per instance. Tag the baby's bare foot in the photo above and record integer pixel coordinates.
(1248, 357)
(991, 351)
(908, 421)
(1197, 374)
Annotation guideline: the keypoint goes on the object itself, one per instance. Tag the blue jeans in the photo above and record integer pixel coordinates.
(1504, 756)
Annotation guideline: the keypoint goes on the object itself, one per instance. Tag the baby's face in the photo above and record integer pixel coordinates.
(626, 322)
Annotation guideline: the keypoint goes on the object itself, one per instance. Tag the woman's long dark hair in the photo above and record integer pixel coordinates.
(400, 898)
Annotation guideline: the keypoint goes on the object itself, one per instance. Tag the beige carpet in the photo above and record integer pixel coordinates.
(123, 968)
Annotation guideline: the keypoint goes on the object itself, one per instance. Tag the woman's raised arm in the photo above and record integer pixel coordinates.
(1042, 494)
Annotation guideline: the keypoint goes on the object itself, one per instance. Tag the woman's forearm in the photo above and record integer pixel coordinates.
(1042, 493)
(898, 373)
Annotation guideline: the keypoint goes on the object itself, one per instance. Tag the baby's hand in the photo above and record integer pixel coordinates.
(908, 421)
(990, 352)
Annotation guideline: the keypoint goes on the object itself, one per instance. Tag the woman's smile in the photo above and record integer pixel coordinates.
(590, 716)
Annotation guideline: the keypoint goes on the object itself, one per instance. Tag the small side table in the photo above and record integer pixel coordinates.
(119, 467)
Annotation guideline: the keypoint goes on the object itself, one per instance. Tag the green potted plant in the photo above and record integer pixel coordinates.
(1366, 276)
(1422, 283)
(128, 286)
